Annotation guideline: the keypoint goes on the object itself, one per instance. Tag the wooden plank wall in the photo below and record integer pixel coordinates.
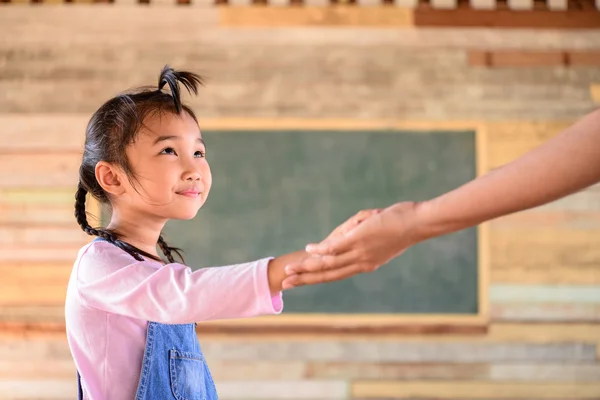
(538, 14)
(544, 296)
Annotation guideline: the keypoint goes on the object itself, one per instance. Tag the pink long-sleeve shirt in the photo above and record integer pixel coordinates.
(111, 297)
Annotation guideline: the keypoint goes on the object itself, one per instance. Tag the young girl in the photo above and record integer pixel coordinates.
(130, 317)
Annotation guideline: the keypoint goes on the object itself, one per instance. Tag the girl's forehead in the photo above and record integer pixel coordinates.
(171, 125)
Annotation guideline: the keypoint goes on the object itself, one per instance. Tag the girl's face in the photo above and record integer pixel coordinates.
(172, 176)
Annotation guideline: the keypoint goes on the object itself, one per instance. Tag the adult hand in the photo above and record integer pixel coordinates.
(351, 223)
(364, 248)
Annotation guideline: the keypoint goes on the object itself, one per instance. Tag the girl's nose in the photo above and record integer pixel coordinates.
(192, 176)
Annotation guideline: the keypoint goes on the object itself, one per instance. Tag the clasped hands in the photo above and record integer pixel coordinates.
(363, 243)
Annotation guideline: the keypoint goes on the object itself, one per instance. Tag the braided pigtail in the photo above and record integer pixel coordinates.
(81, 216)
(106, 234)
(168, 251)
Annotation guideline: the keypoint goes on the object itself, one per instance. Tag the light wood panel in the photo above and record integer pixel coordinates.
(474, 390)
(38, 253)
(27, 370)
(13, 196)
(40, 170)
(550, 275)
(552, 294)
(47, 133)
(565, 312)
(48, 235)
(511, 139)
(31, 215)
(41, 284)
(314, 16)
(536, 248)
(595, 93)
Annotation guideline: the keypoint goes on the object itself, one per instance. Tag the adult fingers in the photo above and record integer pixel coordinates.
(331, 246)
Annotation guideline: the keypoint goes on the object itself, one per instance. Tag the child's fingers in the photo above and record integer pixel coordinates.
(322, 277)
(322, 263)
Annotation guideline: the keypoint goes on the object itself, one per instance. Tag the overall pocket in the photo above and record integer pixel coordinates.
(188, 373)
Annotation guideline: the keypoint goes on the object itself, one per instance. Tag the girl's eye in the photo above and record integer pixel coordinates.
(199, 154)
(168, 150)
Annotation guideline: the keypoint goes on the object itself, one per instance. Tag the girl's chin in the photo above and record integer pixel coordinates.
(182, 215)
(185, 213)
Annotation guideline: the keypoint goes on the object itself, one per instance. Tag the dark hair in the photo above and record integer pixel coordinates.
(111, 129)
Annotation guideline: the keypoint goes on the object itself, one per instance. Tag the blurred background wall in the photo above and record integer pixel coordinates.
(516, 71)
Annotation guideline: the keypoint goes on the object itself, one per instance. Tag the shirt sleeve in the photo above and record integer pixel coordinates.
(173, 293)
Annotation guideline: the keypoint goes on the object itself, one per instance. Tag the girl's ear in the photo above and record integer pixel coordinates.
(109, 178)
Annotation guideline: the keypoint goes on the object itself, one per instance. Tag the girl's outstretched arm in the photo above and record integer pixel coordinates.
(109, 279)
(564, 165)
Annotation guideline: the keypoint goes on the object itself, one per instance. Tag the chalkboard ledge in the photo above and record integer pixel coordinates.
(351, 324)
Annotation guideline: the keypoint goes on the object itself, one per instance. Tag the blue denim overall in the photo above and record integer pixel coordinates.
(173, 366)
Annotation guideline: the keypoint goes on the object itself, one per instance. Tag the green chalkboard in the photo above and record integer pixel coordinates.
(273, 192)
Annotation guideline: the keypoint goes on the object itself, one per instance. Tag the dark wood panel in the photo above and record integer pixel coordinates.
(426, 16)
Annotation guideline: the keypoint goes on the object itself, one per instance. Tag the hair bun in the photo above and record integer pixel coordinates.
(191, 81)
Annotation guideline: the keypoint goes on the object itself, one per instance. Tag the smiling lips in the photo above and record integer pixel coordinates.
(190, 193)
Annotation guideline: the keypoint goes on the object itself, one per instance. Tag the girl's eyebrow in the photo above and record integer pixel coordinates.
(172, 137)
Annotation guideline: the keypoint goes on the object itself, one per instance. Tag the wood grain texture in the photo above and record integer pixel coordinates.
(584, 58)
(545, 373)
(512, 59)
(36, 196)
(31, 215)
(137, 25)
(315, 16)
(524, 58)
(497, 332)
(538, 19)
(27, 293)
(40, 170)
(473, 390)
(28, 370)
(271, 389)
(510, 140)
(47, 133)
(543, 332)
(537, 248)
(38, 253)
(42, 81)
(39, 389)
(545, 312)
(556, 250)
(47, 235)
(397, 371)
(561, 294)
(587, 200)
(595, 93)
(257, 370)
(547, 275)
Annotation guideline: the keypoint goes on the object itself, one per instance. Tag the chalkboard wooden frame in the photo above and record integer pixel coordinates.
(367, 323)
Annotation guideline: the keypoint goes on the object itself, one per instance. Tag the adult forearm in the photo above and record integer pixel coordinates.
(564, 165)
